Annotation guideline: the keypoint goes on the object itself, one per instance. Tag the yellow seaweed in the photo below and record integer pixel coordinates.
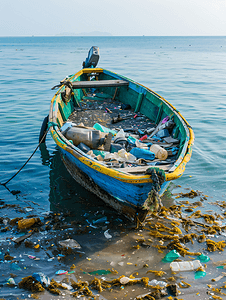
(157, 273)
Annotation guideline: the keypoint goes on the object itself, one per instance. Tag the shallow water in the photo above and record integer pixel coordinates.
(187, 71)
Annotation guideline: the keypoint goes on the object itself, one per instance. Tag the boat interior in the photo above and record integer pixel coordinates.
(131, 119)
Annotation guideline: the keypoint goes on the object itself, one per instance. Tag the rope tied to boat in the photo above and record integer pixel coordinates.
(51, 124)
(41, 140)
(153, 202)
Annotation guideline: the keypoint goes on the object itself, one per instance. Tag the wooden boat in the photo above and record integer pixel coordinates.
(125, 187)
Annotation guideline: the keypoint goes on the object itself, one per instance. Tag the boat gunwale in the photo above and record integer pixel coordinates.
(62, 142)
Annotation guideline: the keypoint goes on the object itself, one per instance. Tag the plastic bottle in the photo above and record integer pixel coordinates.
(160, 152)
(91, 138)
(102, 128)
(185, 265)
(143, 153)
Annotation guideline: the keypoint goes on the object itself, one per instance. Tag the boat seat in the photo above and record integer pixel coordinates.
(98, 83)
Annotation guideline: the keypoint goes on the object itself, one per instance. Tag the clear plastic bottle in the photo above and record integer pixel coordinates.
(160, 152)
(185, 265)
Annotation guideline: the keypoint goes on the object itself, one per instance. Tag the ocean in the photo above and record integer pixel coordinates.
(189, 72)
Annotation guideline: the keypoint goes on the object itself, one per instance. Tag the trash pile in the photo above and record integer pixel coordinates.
(139, 142)
(185, 241)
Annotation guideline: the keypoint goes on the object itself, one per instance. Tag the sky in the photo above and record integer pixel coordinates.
(117, 17)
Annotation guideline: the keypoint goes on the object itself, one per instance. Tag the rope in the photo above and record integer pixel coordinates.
(27, 160)
(153, 202)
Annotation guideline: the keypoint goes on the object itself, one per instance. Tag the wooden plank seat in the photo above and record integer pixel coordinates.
(98, 83)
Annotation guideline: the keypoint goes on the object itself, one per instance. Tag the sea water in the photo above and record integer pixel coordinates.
(189, 72)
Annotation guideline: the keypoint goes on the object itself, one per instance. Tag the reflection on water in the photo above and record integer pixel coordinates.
(67, 196)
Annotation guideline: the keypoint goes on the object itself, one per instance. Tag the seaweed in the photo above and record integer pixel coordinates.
(214, 246)
(31, 284)
(157, 273)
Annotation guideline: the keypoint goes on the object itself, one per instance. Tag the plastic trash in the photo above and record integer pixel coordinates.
(15, 267)
(131, 140)
(115, 147)
(200, 274)
(127, 156)
(70, 243)
(172, 151)
(120, 134)
(88, 136)
(67, 286)
(107, 235)
(203, 258)
(185, 265)
(27, 223)
(141, 145)
(101, 220)
(122, 155)
(124, 280)
(61, 272)
(160, 152)
(102, 128)
(163, 133)
(99, 152)
(66, 126)
(163, 125)
(100, 272)
(143, 153)
(140, 132)
(155, 282)
(11, 282)
(122, 141)
(144, 137)
(171, 256)
(83, 147)
(169, 140)
(42, 278)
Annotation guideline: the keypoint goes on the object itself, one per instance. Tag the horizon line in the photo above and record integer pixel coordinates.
(1, 36)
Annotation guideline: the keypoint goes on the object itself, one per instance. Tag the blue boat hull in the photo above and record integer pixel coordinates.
(127, 198)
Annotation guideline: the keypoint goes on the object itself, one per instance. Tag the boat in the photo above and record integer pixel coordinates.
(123, 115)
